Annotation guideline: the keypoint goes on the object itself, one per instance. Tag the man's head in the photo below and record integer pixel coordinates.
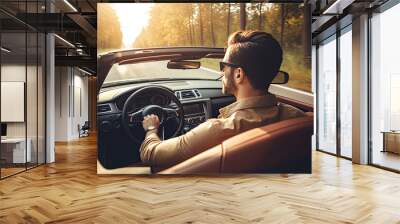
(252, 60)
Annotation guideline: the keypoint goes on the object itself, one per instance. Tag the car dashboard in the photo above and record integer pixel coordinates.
(201, 100)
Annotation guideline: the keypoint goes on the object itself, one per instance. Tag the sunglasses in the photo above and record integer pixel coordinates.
(223, 64)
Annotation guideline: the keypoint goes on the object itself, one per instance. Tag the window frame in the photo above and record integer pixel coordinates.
(327, 38)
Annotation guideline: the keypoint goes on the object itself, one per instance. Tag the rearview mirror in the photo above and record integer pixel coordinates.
(183, 65)
(281, 78)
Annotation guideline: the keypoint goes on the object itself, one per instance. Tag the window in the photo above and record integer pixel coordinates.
(385, 88)
(345, 42)
(22, 76)
(326, 93)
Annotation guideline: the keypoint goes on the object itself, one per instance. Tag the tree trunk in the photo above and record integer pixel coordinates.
(193, 23)
(260, 16)
(201, 26)
(307, 34)
(212, 25)
(228, 21)
(190, 32)
(283, 15)
(242, 16)
(194, 33)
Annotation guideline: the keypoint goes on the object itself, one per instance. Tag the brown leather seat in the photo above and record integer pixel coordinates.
(282, 147)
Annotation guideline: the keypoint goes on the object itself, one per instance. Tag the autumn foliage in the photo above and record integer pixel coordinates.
(209, 24)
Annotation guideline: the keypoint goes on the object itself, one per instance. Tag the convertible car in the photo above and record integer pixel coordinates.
(182, 85)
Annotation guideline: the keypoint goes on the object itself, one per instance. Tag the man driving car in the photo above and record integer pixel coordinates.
(251, 61)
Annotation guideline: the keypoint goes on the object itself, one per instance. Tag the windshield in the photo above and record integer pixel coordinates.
(155, 70)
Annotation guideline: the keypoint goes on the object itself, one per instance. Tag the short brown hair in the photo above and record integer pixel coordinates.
(258, 53)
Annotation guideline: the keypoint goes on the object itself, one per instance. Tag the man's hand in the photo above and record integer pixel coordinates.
(151, 122)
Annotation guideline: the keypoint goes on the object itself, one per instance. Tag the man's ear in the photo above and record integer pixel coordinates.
(239, 75)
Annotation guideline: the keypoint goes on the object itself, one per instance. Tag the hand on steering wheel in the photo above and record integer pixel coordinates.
(151, 122)
(163, 113)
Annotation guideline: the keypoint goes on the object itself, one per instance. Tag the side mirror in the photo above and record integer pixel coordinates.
(281, 78)
(183, 65)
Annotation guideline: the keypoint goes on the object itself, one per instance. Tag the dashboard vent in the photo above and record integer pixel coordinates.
(103, 108)
(188, 94)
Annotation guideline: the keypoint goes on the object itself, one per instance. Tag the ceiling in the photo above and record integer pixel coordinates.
(74, 22)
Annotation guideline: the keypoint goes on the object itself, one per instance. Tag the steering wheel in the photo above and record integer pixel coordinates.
(130, 118)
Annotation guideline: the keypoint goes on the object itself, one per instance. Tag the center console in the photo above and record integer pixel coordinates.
(195, 114)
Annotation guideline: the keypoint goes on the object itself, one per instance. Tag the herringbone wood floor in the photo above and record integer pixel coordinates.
(69, 191)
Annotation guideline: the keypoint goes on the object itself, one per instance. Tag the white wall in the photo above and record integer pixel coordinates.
(33, 126)
(14, 73)
(81, 102)
(71, 102)
(61, 103)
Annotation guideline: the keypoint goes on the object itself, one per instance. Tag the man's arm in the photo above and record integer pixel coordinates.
(155, 152)
(151, 124)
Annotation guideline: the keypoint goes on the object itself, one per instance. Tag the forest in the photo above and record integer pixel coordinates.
(210, 24)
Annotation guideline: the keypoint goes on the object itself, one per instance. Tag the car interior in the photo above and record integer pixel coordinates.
(181, 105)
